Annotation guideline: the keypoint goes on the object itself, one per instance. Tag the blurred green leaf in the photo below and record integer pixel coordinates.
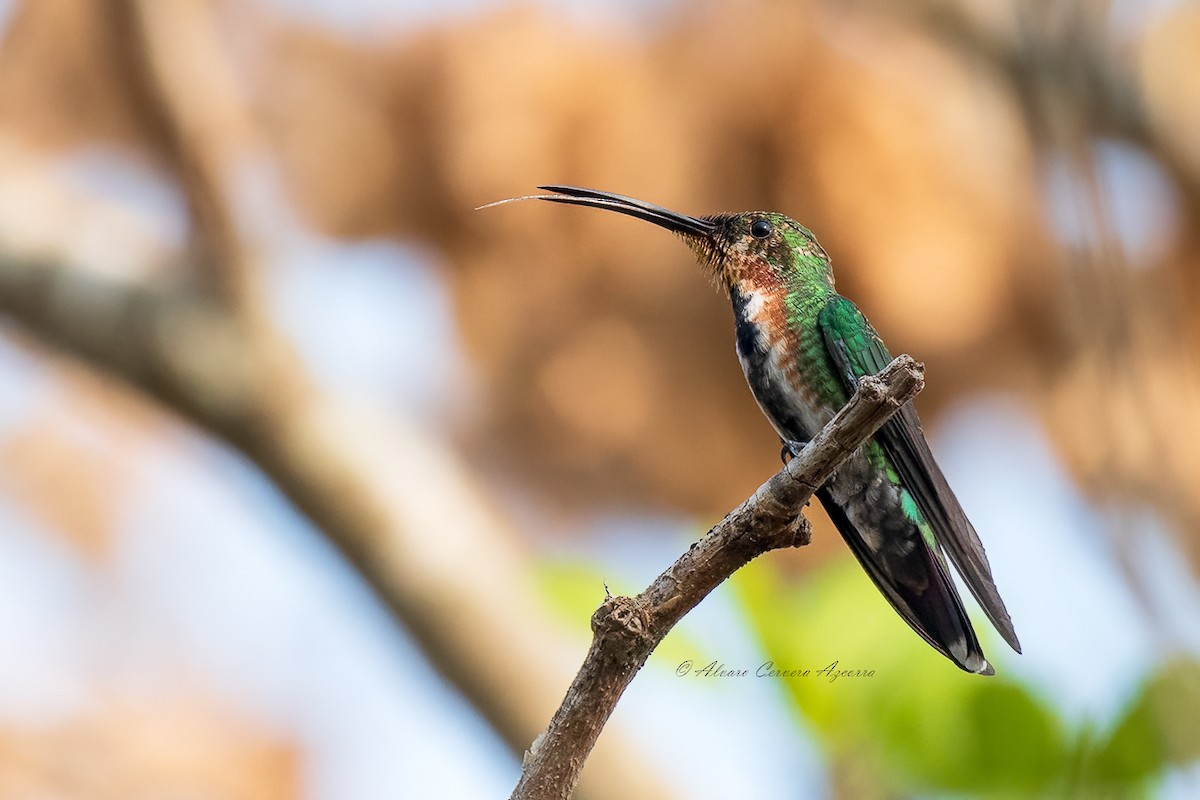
(977, 735)
(921, 721)
(913, 720)
(574, 589)
(1158, 730)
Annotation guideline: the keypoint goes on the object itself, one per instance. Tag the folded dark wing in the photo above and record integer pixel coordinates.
(857, 350)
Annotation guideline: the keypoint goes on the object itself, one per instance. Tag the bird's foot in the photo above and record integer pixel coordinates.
(788, 450)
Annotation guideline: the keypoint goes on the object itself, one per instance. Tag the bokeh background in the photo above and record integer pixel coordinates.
(311, 475)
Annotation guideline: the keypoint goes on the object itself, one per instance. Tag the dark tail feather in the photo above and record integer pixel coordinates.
(928, 602)
(905, 444)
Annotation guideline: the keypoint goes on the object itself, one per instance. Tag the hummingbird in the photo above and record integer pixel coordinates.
(803, 348)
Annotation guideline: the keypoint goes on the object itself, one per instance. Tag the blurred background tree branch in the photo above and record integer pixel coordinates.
(260, 217)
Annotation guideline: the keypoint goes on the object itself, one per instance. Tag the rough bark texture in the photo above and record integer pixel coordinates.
(626, 630)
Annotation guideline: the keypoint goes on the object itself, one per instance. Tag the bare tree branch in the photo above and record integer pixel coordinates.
(189, 97)
(626, 630)
(1072, 79)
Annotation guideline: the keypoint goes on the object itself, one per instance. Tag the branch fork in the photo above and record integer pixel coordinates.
(625, 630)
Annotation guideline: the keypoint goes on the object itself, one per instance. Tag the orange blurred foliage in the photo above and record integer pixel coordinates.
(606, 359)
(183, 748)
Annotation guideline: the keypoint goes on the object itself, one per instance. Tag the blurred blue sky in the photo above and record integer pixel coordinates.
(214, 573)
(214, 576)
(1141, 202)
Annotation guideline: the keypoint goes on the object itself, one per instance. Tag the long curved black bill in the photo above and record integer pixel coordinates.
(574, 195)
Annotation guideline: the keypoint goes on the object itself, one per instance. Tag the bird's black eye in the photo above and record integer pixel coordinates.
(761, 228)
